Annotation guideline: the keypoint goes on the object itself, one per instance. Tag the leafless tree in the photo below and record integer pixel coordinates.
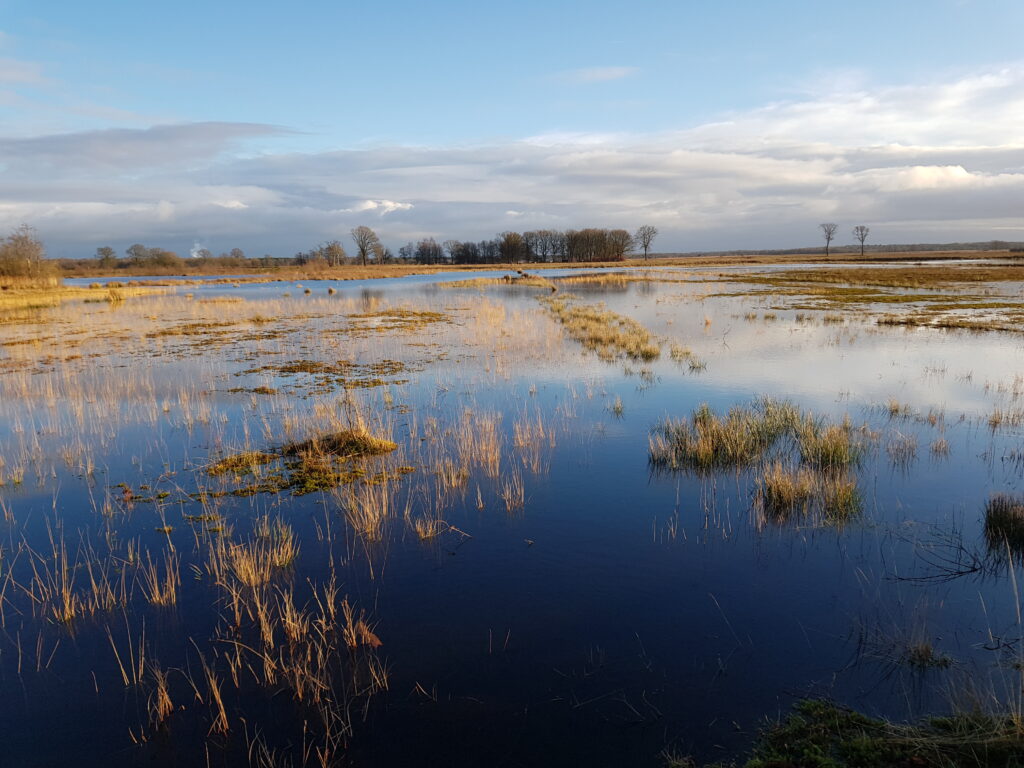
(861, 233)
(333, 252)
(365, 239)
(429, 251)
(22, 254)
(829, 231)
(512, 247)
(619, 242)
(645, 236)
(452, 248)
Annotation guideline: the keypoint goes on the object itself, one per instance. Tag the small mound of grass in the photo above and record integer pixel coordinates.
(314, 473)
(821, 734)
(240, 463)
(346, 443)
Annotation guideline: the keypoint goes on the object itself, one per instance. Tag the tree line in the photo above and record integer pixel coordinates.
(574, 245)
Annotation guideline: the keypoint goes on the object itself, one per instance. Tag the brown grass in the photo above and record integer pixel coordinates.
(606, 333)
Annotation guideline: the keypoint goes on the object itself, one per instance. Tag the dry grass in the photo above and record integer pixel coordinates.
(367, 507)
(513, 492)
(707, 440)
(783, 490)
(1004, 524)
(831, 446)
(161, 588)
(606, 333)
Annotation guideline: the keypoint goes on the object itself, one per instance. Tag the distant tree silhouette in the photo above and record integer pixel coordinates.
(645, 236)
(829, 231)
(861, 233)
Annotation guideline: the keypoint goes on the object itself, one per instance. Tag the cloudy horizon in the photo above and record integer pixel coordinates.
(925, 158)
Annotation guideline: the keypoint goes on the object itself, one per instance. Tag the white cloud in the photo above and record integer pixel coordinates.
(383, 207)
(17, 72)
(939, 161)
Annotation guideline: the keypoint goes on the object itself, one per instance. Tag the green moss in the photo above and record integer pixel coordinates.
(820, 734)
(239, 463)
(346, 443)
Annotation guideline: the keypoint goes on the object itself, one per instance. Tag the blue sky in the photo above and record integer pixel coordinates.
(728, 125)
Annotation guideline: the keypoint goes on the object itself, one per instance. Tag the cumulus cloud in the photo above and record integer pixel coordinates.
(940, 161)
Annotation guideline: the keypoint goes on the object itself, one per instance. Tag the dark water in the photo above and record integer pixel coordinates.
(620, 612)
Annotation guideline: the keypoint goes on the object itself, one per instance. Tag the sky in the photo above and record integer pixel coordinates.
(727, 125)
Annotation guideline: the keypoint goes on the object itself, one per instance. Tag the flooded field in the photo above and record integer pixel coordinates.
(570, 518)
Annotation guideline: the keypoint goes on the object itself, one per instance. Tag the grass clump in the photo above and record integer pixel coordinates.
(606, 333)
(709, 441)
(240, 463)
(821, 734)
(314, 473)
(840, 499)
(783, 489)
(830, 446)
(1004, 523)
(345, 443)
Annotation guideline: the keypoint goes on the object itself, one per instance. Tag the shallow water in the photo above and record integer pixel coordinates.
(621, 611)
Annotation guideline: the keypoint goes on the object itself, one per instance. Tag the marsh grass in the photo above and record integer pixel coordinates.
(161, 588)
(606, 333)
(513, 492)
(783, 489)
(367, 507)
(708, 441)
(770, 434)
(344, 443)
(1004, 524)
(830, 446)
(821, 733)
(242, 463)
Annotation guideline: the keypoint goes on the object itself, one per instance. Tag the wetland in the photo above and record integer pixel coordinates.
(675, 515)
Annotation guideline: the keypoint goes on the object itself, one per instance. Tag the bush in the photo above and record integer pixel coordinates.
(22, 255)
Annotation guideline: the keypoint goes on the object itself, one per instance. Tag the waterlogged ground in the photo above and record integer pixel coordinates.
(494, 572)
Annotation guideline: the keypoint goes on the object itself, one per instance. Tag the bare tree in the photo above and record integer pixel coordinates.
(619, 242)
(333, 252)
(106, 256)
(452, 247)
(429, 251)
(861, 233)
(365, 239)
(22, 255)
(512, 246)
(645, 236)
(829, 231)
